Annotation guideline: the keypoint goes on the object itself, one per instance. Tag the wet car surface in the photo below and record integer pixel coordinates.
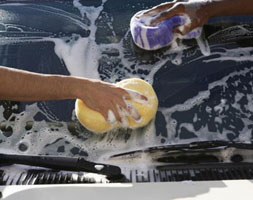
(203, 96)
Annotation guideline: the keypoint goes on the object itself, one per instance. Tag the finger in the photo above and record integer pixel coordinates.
(174, 10)
(130, 94)
(104, 113)
(157, 9)
(123, 114)
(136, 96)
(187, 29)
(123, 104)
(135, 114)
(124, 93)
(128, 108)
(116, 113)
(194, 24)
(176, 30)
(132, 112)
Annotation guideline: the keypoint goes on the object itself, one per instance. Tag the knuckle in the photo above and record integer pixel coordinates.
(123, 105)
(119, 90)
(179, 6)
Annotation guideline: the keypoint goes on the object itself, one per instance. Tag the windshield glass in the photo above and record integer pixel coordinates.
(204, 86)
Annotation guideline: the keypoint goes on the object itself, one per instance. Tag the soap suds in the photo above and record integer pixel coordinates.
(111, 117)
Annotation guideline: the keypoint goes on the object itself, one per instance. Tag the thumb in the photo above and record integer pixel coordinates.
(183, 30)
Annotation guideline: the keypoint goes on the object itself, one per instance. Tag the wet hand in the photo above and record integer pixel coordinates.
(104, 97)
(198, 12)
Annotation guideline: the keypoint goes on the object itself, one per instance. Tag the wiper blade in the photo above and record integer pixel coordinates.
(207, 145)
(62, 163)
(194, 146)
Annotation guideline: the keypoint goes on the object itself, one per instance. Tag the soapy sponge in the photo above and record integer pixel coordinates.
(94, 121)
(155, 37)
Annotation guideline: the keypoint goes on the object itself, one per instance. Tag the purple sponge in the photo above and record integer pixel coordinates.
(156, 37)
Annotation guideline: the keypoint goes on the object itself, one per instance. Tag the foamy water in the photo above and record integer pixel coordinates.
(83, 56)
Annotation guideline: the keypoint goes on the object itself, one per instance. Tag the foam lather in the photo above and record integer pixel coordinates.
(95, 122)
(155, 37)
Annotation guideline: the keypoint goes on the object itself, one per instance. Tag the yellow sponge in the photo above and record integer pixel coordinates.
(95, 122)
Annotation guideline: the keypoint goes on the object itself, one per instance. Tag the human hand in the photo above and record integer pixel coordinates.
(198, 12)
(104, 97)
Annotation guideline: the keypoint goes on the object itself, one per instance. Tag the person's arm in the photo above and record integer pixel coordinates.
(199, 11)
(20, 85)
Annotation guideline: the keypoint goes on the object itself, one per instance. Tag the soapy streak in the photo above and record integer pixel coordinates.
(50, 10)
(238, 55)
(222, 54)
(203, 133)
(111, 117)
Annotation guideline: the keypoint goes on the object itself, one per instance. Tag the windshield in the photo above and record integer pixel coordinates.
(204, 86)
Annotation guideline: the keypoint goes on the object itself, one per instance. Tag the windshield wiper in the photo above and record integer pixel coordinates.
(203, 145)
(62, 163)
(192, 153)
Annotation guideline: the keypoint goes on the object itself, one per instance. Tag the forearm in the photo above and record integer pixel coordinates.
(19, 85)
(229, 7)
